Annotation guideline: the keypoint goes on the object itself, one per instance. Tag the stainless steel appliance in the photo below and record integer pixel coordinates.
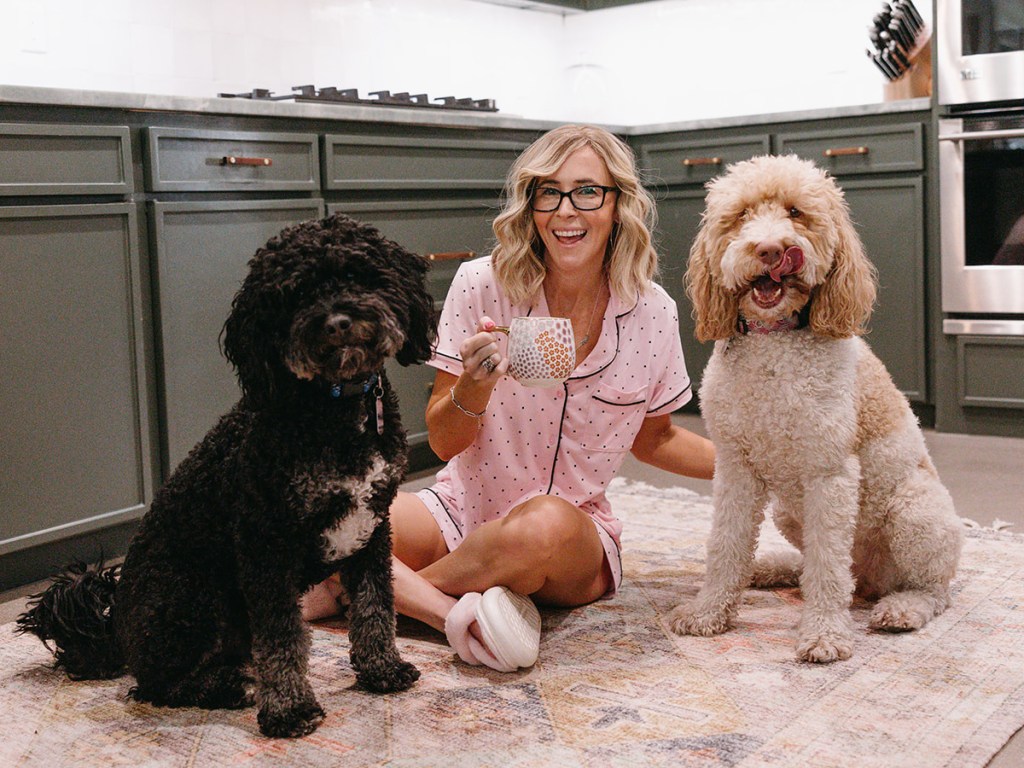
(981, 51)
(980, 55)
(981, 182)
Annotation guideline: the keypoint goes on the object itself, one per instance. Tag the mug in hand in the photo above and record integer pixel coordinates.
(541, 350)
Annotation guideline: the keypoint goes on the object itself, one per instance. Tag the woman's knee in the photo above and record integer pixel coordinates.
(547, 523)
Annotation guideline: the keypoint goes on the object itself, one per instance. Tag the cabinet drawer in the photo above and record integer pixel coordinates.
(694, 162)
(445, 232)
(64, 160)
(384, 162)
(991, 371)
(181, 160)
(858, 150)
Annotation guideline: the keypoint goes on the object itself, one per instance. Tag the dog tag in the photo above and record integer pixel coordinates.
(378, 393)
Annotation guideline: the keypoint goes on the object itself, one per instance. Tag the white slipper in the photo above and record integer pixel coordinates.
(510, 626)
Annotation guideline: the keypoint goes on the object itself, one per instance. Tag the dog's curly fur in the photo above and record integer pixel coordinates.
(807, 418)
(292, 484)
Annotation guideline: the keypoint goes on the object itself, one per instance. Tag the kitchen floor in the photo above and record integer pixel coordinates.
(985, 475)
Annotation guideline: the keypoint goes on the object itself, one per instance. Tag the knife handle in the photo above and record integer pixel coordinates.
(844, 151)
(690, 161)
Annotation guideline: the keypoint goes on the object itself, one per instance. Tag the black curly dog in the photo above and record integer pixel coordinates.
(292, 484)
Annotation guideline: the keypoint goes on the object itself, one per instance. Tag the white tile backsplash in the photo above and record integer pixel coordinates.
(652, 62)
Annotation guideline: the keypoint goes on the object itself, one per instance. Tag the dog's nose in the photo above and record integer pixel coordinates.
(769, 252)
(338, 323)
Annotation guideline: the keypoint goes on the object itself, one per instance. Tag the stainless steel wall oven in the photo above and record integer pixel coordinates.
(980, 52)
(981, 163)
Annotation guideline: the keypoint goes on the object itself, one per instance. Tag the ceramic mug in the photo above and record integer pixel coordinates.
(541, 350)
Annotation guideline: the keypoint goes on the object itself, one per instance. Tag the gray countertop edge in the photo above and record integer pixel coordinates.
(33, 95)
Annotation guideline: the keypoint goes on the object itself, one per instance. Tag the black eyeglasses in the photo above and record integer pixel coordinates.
(589, 197)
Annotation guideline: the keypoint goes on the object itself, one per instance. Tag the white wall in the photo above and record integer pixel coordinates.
(654, 62)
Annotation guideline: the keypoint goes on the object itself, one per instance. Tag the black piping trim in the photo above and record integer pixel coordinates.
(441, 502)
(561, 426)
(689, 386)
(448, 357)
(618, 339)
(620, 405)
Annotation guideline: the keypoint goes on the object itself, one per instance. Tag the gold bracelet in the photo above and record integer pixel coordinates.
(465, 410)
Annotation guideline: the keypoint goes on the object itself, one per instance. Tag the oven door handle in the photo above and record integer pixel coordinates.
(1012, 133)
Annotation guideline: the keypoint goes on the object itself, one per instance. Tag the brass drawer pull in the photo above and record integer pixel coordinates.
(450, 255)
(234, 160)
(843, 151)
(689, 161)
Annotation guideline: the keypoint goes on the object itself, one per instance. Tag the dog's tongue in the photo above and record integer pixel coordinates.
(790, 262)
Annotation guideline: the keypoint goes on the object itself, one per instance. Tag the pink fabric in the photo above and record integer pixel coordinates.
(568, 441)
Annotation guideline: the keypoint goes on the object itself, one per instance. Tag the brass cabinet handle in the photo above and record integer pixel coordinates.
(235, 160)
(688, 161)
(842, 151)
(449, 255)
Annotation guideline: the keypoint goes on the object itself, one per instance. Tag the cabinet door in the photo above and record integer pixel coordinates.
(446, 232)
(74, 432)
(679, 215)
(889, 216)
(201, 254)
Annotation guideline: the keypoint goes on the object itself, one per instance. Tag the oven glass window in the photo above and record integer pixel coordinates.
(992, 26)
(994, 199)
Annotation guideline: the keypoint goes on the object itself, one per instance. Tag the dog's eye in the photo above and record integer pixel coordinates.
(794, 212)
(744, 214)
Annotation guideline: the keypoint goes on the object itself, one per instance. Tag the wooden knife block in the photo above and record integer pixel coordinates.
(916, 81)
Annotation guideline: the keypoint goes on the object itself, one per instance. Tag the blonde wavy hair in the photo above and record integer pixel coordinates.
(518, 258)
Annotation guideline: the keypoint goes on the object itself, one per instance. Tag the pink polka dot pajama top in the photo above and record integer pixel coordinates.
(566, 441)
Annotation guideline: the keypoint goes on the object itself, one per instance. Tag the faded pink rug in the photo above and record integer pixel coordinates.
(612, 687)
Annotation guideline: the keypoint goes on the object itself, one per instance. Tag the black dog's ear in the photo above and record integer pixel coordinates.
(422, 326)
(247, 342)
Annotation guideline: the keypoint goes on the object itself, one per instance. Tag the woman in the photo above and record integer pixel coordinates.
(520, 507)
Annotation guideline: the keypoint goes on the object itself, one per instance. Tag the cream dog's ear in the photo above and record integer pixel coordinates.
(715, 310)
(843, 303)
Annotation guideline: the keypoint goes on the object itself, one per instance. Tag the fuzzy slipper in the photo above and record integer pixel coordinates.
(510, 626)
(456, 629)
(509, 623)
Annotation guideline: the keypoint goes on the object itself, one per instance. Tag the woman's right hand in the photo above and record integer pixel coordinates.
(481, 357)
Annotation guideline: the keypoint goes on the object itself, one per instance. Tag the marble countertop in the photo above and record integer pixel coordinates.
(13, 94)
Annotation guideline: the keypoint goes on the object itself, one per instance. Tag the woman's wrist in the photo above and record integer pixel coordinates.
(464, 409)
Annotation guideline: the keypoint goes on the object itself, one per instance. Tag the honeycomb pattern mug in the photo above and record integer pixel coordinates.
(541, 350)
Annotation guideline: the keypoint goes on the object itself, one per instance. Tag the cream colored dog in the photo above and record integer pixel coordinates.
(805, 416)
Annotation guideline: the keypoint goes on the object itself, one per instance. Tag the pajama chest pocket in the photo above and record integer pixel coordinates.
(616, 417)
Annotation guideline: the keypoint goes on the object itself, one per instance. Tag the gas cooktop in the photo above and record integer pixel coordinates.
(330, 95)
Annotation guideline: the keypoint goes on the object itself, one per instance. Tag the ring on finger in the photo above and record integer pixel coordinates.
(488, 365)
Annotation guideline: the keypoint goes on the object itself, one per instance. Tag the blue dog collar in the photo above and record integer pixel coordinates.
(350, 388)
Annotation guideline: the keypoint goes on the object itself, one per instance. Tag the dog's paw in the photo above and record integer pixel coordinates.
(290, 723)
(684, 620)
(896, 616)
(824, 647)
(388, 679)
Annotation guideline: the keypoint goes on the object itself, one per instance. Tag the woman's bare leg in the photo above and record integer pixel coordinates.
(545, 548)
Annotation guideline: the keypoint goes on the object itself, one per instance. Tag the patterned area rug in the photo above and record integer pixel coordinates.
(612, 687)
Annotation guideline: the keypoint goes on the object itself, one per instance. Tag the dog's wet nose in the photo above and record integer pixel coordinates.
(338, 323)
(769, 252)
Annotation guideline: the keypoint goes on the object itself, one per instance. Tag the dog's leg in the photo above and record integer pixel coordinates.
(777, 569)
(925, 538)
(830, 512)
(280, 643)
(367, 579)
(739, 500)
